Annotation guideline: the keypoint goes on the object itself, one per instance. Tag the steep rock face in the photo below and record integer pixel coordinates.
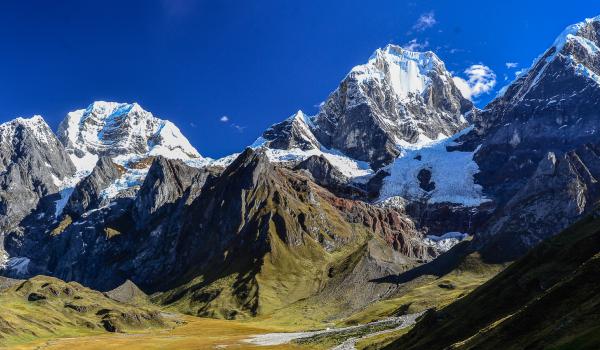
(120, 130)
(553, 107)
(33, 164)
(559, 192)
(391, 224)
(294, 132)
(327, 175)
(166, 183)
(550, 112)
(246, 241)
(87, 193)
(288, 227)
(398, 99)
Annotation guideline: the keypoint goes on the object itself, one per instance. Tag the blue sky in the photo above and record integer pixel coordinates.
(256, 62)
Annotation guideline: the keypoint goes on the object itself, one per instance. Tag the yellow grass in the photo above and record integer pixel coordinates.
(197, 333)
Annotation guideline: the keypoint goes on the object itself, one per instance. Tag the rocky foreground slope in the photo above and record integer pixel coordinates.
(546, 300)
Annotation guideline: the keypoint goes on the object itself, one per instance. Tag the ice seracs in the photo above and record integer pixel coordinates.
(432, 174)
(446, 241)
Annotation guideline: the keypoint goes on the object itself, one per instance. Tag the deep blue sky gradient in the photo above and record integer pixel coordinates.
(255, 61)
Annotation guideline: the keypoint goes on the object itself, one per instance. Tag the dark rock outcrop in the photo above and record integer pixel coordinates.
(33, 164)
(538, 145)
(293, 132)
(166, 183)
(87, 193)
(557, 194)
(325, 174)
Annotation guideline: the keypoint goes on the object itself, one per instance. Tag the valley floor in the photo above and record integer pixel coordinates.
(203, 333)
(305, 323)
(196, 333)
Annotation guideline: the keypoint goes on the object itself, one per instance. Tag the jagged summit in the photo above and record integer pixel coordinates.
(294, 132)
(121, 131)
(36, 124)
(407, 71)
(546, 119)
(399, 51)
(572, 54)
(578, 32)
(33, 164)
(398, 99)
(32, 141)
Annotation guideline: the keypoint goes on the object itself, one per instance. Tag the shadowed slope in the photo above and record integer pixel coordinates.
(547, 299)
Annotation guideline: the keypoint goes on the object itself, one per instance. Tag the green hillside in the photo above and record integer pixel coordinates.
(549, 299)
(46, 307)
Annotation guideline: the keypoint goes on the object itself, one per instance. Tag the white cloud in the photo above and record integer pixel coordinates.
(480, 80)
(415, 45)
(463, 86)
(521, 72)
(511, 65)
(226, 119)
(239, 128)
(425, 21)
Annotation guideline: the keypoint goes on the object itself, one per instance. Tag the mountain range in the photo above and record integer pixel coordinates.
(397, 177)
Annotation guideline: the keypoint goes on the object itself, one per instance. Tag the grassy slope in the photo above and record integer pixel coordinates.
(430, 291)
(294, 267)
(548, 299)
(287, 276)
(303, 315)
(45, 307)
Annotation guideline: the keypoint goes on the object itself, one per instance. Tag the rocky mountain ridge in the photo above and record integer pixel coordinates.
(120, 130)
(397, 100)
(545, 122)
(386, 177)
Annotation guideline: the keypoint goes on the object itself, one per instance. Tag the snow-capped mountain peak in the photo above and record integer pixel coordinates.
(573, 52)
(406, 71)
(36, 124)
(574, 32)
(398, 99)
(294, 132)
(123, 131)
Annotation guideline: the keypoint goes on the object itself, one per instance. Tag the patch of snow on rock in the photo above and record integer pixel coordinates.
(3, 259)
(446, 241)
(451, 174)
(351, 168)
